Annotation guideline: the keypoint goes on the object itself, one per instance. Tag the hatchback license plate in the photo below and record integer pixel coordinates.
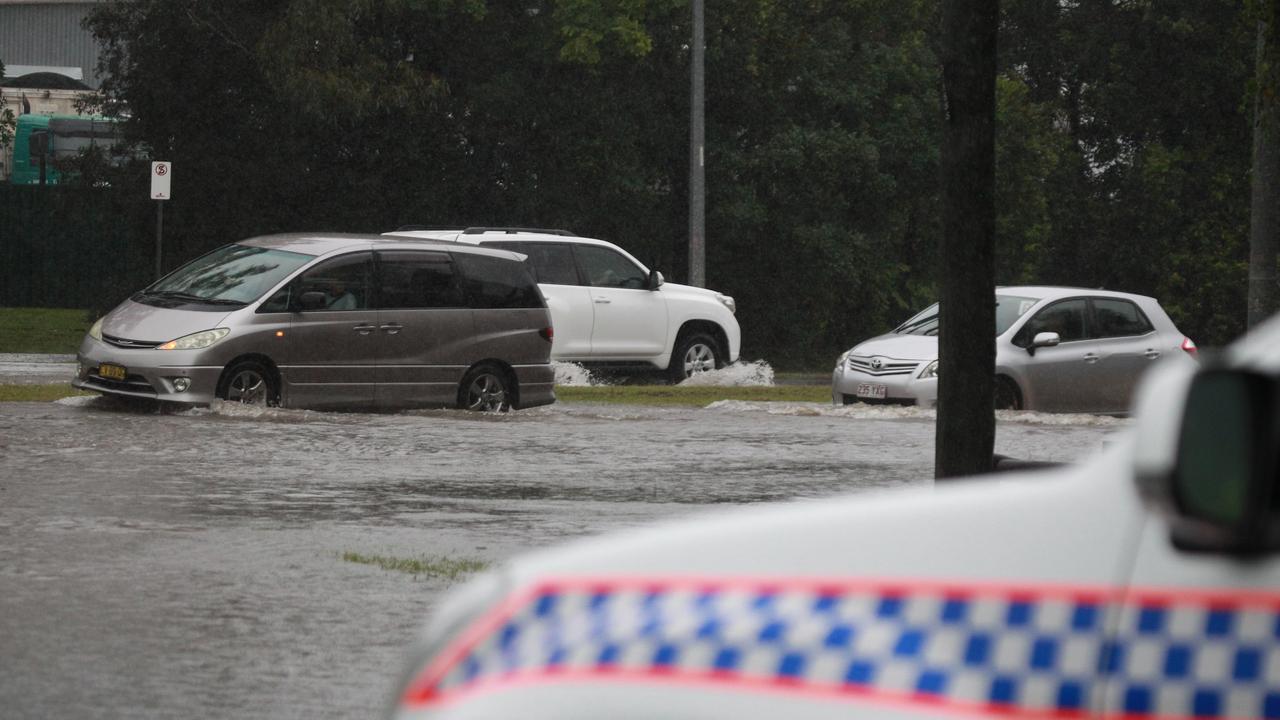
(112, 372)
(874, 392)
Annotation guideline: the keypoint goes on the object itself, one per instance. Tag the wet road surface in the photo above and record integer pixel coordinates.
(191, 563)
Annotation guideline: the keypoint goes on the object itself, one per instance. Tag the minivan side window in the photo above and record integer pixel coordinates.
(1067, 318)
(493, 282)
(1119, 318)
(552, 262)
(346, 282)
(418, 280)
(606, 268)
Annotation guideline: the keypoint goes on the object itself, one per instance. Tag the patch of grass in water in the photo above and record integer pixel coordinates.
(697, 396)
(450, 569)
(39, 393)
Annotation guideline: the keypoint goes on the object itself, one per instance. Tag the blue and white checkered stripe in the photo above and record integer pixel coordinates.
(1054, 653)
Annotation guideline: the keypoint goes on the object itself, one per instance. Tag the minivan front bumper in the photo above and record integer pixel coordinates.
(147, 373)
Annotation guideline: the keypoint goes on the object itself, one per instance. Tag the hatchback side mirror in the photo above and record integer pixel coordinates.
(1043, 339)
(655, 280)
(1220, 491)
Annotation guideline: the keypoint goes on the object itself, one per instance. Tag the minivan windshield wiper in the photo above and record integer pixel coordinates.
(175, 295)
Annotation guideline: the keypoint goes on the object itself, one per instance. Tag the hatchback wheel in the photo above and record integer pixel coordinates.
(694, 354)
(1007, 395)
(249, 382)
(484, 389)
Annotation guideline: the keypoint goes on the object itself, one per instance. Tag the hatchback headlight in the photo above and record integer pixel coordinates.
(95, 331)
(196, 341)
(930, 371)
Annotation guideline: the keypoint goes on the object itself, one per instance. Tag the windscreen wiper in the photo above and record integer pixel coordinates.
(177, 295)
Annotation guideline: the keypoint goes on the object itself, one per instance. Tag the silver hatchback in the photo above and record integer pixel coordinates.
(1058, 349)
(331, 321)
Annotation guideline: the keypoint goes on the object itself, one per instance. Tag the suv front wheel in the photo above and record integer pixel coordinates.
(695, 353)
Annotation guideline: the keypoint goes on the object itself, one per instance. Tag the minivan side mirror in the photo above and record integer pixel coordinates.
(1220, 490)
(655, 280)
(313, 300)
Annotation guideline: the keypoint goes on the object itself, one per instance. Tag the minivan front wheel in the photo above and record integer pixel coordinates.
(484, 389)
(694, 354)
(249, 382)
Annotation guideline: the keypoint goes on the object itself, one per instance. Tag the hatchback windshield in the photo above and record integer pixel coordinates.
(232, 274)
(1008, 309)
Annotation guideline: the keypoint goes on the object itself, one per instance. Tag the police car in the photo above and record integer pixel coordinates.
(1144, 583)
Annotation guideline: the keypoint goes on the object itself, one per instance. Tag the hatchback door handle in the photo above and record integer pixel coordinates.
(1091, 358)
(603, 300)
(392, 328)
(363, 329)
(1152, 354)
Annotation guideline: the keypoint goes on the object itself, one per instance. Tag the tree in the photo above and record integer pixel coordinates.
(1264, 235)
(7, 121)
(966, 342)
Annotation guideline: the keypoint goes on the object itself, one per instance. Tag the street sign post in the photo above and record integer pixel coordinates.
(161, 174)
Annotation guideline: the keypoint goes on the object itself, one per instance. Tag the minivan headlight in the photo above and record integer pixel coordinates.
(930, 371)
(196, 341)
(95, 331)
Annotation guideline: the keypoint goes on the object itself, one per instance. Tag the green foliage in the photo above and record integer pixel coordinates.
(7, 121)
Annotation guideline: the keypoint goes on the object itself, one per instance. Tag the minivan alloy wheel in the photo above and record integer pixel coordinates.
(485, 390)
(249, 383)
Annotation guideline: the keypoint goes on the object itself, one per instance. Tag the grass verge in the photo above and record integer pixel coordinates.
(42, 330)
(450, 569)
(696, 396)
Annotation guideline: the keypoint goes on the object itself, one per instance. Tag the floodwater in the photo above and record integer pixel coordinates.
(156, 564)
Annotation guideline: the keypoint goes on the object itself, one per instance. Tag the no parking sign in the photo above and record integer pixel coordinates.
(160, 174)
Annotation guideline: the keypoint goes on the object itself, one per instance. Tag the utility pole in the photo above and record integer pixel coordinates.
(697, 154)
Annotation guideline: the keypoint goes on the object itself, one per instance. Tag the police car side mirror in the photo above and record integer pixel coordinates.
(1211, 463)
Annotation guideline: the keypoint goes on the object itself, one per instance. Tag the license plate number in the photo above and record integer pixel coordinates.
(112, 372)
(874, 392)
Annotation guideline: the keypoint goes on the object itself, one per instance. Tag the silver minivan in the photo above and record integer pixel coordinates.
(331, 321)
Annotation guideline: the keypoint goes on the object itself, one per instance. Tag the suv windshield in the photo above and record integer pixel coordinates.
(1008, 309)
(230, 275)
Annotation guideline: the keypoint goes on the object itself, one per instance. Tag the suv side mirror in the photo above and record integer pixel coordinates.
(1220, 490)
(655, 280)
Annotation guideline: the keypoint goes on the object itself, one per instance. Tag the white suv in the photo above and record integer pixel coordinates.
(609, 309)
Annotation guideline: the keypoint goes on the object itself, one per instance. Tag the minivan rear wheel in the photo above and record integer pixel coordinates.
(485, 389)
(249, 382)
(694, 354)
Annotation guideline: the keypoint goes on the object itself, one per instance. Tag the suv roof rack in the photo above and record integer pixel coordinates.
(513, 230)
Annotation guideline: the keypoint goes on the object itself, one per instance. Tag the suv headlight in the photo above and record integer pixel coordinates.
(196, 341)
(930, 371)
(727, 302)
(95, 331)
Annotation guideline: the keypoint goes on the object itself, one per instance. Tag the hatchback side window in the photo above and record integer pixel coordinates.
(494, 282)
(344, 281)
(1067, 318)
(552, 262)
(1119, 318)
(418, 280)
(605, 268)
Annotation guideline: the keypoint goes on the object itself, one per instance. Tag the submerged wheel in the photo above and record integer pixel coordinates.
(694, 354)
(485, 389)
(249, 382)
(1007, 395)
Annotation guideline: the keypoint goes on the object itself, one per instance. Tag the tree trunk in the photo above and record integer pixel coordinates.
(1264, 226)
(966, 337)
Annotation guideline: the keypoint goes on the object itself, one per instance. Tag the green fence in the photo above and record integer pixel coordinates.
(73, 247)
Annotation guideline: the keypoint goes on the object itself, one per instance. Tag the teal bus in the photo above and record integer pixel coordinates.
(40, 141)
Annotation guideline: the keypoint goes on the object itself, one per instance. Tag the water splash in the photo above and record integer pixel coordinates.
(741, 374)
(575, 375)
(907, 412)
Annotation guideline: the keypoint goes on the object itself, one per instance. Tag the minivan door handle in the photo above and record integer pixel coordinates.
(364, 329)
(1151, 354)
(392, 328)
(1091, 358)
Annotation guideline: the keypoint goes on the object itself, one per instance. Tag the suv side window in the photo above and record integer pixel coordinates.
(345, 281)
(552, 262)
(605, 268)
(1067, 318)
(1118, 318)
(418, 280)
(492, 282)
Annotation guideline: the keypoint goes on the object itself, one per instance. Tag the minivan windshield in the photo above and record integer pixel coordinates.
(1008, 309)
(230, 275)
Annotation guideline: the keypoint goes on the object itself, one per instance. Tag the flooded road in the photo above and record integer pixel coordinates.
(192, 563)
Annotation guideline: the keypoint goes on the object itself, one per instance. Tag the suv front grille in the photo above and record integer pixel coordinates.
(886, 366)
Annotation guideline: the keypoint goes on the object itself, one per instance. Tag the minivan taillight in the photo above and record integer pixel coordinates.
(549, 333)
(1188, 346)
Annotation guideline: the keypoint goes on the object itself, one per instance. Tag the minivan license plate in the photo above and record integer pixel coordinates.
(874, 392)
(111, 372)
